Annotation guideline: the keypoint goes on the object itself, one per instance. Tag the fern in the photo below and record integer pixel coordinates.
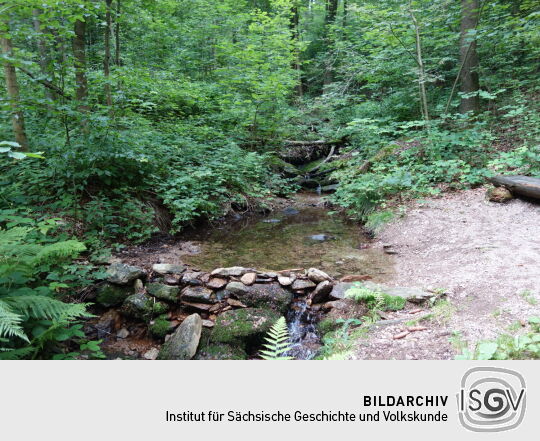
(277, 342)
(10, 323)
(27, 305)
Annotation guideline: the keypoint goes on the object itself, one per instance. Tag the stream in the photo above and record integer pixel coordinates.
(303, 235)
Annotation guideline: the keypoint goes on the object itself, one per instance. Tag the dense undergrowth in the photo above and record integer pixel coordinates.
(202, 98)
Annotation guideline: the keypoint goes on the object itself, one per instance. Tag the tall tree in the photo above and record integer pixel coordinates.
(107, 58)
(295, 32)
(329, 20)
(44, 58)
(117, 34)
(17, 116)
(470, 81)
(79, 54)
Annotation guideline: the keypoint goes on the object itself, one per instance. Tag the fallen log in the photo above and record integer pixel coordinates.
(519, 185)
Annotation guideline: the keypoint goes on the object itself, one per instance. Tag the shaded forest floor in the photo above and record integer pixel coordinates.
(485, 255)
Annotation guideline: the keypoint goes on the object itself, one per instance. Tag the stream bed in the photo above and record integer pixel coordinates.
(305, 234)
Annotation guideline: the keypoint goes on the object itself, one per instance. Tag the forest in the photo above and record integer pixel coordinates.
(129, 122)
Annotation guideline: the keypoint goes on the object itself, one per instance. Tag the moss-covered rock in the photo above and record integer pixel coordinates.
(220, 352)
(243, 326)
(327, 325)
(164, 292)
(142, 306)
(160, 327)
(112, 295)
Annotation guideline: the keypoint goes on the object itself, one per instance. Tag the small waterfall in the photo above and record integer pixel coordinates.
(302, 330)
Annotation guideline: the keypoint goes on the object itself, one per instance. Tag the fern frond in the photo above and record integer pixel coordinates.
(59, 251)
(277, 342)
(16, 354)
(10, 323)
(42, 307)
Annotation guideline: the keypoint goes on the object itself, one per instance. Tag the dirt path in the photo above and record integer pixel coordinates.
(485, 255)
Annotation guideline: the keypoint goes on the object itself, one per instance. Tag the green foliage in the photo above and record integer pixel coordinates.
(376, 300)
(508, 347)
(31, 317)
(277, 342)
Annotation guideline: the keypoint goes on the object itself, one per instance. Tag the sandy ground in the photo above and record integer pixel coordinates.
(485, 255)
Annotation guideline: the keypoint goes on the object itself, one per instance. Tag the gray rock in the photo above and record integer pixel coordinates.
(340, 288)
(184, 341)
(268, 295)
(164, 292)
(321, 237)
(233, 271)
(271, 221)
(192, 278)
(151, 354)
(123, 333)
(217, 282)
(122, 274)
(320, 294)
(198, 294)
(285, 281)
(411, 294)
(167, 268)
(317, 275)
(303, 284)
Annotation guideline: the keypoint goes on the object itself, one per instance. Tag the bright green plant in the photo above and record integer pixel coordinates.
(31, 316)
(277, 342)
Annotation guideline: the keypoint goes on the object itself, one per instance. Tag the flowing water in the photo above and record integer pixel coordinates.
(302, 235)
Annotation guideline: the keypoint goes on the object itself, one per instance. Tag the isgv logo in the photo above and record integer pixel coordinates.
(491, 399)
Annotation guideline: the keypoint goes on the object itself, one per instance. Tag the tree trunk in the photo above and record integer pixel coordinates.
(421, 70)
(17, 117)
(295, 33)
(117, 34)
(329, 20)
(520, 185)
(79, 54)
(44, 58)
(107, 58)
(470, 82)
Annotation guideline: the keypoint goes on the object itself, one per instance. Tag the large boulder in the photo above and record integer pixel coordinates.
(164, 292)
(267, 295)
(243, 326)
(113, 295)
(122, 274)
(184, 341)
(142, 306)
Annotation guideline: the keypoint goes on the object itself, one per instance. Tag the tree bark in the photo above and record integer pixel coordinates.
(520, 185)
(470, 81)
(117, 34)
(329, 20)
(44, 58)
(79, 54)
(107, 58)
(17, 116)
(295, 33)
(421, 70)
